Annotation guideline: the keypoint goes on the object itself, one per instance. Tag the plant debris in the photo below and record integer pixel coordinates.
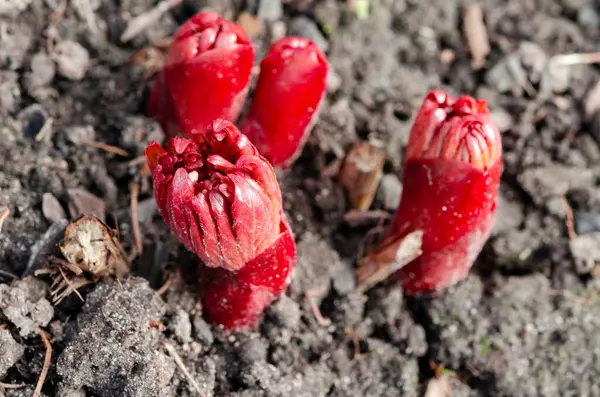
(360, 174)
(92, 251)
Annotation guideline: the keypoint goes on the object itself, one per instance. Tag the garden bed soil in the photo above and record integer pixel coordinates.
(526, 322)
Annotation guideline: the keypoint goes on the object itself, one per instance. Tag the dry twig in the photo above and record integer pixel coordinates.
(47, 359)
(310, 297)
(106, 147)
(12, 385)
(476, 35)
(569, 218)
(135, 221)
(143, 21)
(181, 365)
(3, 215)
(576, 58)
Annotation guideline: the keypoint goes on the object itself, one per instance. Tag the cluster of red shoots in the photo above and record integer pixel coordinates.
(216, 188)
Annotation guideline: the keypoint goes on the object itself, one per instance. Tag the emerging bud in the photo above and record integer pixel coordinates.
(205, 76)
(218, 195)
(451, 177)
(290, 87)
(221, 199)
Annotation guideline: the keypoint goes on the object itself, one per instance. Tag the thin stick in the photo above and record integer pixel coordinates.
(106, 147)
(47, 359)
(135, 220)
(576, 58)
(183, 369)
(310, 295)
(3, 215)
(12, 385)
(165, 287)
(8, 274)
(142, 22)
(137, 161)
(569, 221)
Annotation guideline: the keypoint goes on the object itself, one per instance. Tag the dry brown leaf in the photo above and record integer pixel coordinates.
(82, 202)
(392, 255)
(91, 245)
(360, 174)
(52, 209)
(476, 35)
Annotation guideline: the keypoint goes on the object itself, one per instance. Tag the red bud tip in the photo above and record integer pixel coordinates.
(205, 76)
(455, 129)
(290, 88)
(218, 195)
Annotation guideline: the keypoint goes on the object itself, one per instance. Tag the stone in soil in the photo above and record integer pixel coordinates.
(23, 303)
(11, 351)
(114, 351)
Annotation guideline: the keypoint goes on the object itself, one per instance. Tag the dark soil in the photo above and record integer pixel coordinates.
(525, 323)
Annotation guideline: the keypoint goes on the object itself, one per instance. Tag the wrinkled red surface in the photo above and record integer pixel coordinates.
(290, 87)
(218, 195)
(221, 199)
(451, 177)
(236, 300)
(205, 76)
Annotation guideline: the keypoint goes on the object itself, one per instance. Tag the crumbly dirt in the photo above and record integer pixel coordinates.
(525, 323)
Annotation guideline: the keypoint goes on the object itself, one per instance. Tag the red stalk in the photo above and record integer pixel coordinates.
(290, 87)
(221, 199)
(451, 177)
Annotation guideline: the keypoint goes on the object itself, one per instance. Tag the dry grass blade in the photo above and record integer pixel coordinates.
(379, 265)
(106, 147)
(569, 218)
(47, 359)
(576, 58)
(184, 370)
(12, 385)
(8, 274)
(476, 35)
(360, 174)
(143, 21)
(135, 221)
(4, 212)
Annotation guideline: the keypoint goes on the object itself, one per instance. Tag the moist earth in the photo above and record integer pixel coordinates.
(526, 322)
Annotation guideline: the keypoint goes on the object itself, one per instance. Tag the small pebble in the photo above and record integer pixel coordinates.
(42, 70)
(51, 208)
(390, 191)
(77, 134)
(586, 252)
(203, 332)
(72, 59)
(270, 10)
(10, 93)
(306, 27)
(587, 222)
(181, 326)
(285, 312)
(588, 17)
(11, 351)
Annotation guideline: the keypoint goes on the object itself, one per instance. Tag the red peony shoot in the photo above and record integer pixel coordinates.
(290, 88)
(221, 199)
(205, 76)
(451, 177)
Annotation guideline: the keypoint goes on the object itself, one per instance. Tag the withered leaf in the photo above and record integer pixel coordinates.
(392, 255)
(82, 202)
(360, 174)
(90, 245)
